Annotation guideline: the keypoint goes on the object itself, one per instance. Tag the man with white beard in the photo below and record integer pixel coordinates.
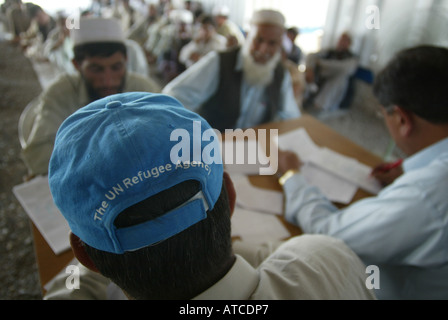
(243, 87)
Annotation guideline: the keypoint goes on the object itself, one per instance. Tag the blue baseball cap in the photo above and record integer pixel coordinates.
(123, 149)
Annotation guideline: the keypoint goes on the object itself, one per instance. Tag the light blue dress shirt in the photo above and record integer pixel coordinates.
(403, 231)
(199, 82)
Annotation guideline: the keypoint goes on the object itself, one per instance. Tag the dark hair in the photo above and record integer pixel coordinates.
(180, 267)
(103, 49)
(207, 19)
(416, 79)
(294, 30)
(33, 10)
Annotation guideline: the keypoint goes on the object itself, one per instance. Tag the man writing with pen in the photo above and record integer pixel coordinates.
(404, 229)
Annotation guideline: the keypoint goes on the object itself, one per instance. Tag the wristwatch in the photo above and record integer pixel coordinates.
(285, 177)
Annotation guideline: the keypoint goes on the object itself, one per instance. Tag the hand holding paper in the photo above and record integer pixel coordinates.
(386, 173)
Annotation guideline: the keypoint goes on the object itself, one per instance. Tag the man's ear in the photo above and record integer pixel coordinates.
(405, 121)
(76, 64)
(80, 252)
(231, 193)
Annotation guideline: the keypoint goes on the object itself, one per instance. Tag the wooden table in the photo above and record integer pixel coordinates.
(50, 264)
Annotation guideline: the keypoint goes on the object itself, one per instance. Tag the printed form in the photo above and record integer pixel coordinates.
(337, 176)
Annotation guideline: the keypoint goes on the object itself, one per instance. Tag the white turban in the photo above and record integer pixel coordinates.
(92, 29)
(181, 16)
(267, 16)
(221, 10)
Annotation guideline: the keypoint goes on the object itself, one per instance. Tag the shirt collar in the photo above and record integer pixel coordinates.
(238, 284)
(425, 156)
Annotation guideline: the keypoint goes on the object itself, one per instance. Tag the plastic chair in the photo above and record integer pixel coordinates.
(26, 121)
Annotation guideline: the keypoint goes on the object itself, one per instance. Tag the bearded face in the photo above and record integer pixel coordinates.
(103, 76)
(261, 53)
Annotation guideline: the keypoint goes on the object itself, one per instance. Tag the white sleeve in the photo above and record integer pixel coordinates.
(290, 109)
(385, 229)
(197, 84)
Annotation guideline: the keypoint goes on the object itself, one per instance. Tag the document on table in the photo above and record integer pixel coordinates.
(333, 187)
(256, 227)
(253, 198)
(347, 168)
(299, 142)
(36, 199)
(335, 169)
(245, 156)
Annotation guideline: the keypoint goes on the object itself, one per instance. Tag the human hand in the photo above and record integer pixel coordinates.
(287, 160)
(195, 56)
(386, 173)
(309, 76)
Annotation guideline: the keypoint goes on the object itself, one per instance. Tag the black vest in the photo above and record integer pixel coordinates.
(222, 110)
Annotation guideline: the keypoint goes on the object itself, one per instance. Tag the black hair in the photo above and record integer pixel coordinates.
(207, 19)
(103, 49)
(180, 267)
(294, 30)
(416, 79)
(33, 10)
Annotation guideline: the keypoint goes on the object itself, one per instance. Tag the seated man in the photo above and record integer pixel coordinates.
(204, 41)
(18, 19)
(328, 73)
(227, 28)
(58, 47)
(245, 87)
(294, 53)
(157, 223)
(404, 229)
(100, 61)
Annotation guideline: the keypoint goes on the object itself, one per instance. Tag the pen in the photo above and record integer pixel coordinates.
(388, 166)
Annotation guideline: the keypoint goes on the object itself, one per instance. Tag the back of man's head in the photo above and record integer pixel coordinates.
(180, 267)
(154, 217)
(416, 80)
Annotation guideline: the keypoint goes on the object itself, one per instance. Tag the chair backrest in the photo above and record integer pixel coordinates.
(26, 121)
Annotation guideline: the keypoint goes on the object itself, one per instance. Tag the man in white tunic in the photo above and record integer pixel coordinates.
(100, 57)
(204, 41)
(328, 72)
(244, 87)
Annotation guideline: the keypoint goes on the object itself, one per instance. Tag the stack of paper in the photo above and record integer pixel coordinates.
(337, 176)
(257, 227)
(245, 156)
(255, 216)
(257, 199)
(36, 199)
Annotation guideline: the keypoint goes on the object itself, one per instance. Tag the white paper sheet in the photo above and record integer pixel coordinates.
(36, 199)
(244, 157)
(253, 198)
(299, 142)
(340, 166)
(347, 168)
(257, 227)
(334, 188)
